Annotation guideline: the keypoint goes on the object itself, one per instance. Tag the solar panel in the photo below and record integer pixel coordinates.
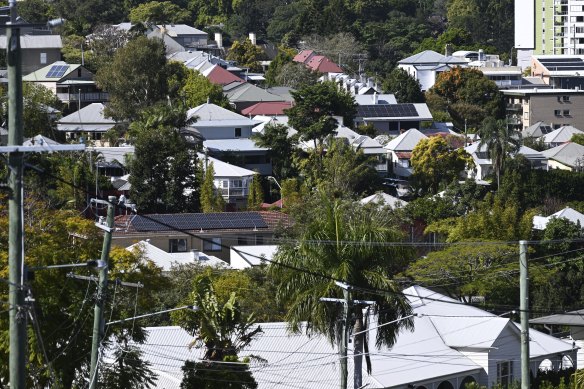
(387, 110)
(57, 71)
(198, 221)
(560, 64)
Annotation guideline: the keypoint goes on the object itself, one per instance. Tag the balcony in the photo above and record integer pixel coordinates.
(514, 107)
(233, 192)
(92, 97)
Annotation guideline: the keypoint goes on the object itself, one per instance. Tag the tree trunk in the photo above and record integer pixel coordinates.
(358, 342)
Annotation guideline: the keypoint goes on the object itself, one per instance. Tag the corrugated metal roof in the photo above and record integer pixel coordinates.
(41, 74)
(431, 57)
(248, 92)
(568, 153)
(36, 42)
(561, 135)
(224, 169)
(180, 29)
(406, 141)
(91, 114)
(167, 260)
(209, 114)
(241, 144)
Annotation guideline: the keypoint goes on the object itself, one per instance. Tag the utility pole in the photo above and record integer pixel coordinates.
(524, 309)
(17, 316)
(98, 323)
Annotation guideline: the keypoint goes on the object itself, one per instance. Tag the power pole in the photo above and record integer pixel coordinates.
(524, 308)
(98, 323)
(346, 324)
(17, 317)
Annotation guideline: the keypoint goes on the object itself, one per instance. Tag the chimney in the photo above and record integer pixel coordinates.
(219, 40)
(252, 37)
(195, 255)
(375, 100)
(448, 50)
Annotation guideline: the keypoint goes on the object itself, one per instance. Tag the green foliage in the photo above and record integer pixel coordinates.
(197, 89)
(405, 88)
(37, 103)
(295, 75)
(282, 147)
(457, 38)
(501, 142)
(314, 107)
(105, 41)
(127, 370)
(72, 52)
(466, 95)
(578, 138)
(283, 57)
(293, 192)
(209, 375)
(162, 169)
(82, 15)
(255, 196)
(136, 78)
(435, 163)
(159, 12)
(211, 200)
(246, 54)
(36, 11)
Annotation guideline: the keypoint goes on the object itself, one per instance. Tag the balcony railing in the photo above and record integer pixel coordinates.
(84, 97)
(514, 107)
(233, 192)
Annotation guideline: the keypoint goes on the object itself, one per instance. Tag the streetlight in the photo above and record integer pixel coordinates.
(272, 178)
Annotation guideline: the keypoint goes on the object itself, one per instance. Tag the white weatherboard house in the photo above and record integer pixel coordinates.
(567, 156)
(452, 344)
(540, 222)
(427, 65)
(400, 151)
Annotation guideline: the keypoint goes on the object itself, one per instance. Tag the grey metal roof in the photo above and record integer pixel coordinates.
(572, 318)
(561, 135)
(211, 115)
(406, 141)
(36, 42)
(87, 119)
(180, 29)
(431, 57)
(247, 92)
(240, 144)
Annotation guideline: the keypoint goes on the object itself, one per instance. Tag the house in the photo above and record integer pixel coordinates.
(89, 122)
(243, 257)
(540, 222)
(317, 63)
(361, 87)
(504, 76)
(558, 107)
(560, 136)
(384, 199)
(110, 161)
(73, 84)
(231, 181)
(555, 324)
(268, 108)
(390, 118)
(179, 37)
(37, 50)
(568, 156)
(536, 130)
(427, 65)
(400, 152)
(483, 165)
(215, 122)
(241, 152)
(243, 95)
(176, 256)
(559, 71)
(220, 76)
(452, 344)
(211, 233)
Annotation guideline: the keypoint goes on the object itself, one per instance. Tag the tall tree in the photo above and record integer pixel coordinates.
(211, 200)
(501, 142)
(255, 196)
(275, 137)
(159, 12)
(162, 171)
(405, 88)
(246, 54)
(197, 89)
(223, 331)
(136, 78)
(39, 111)
(326, 239)
(314, 108)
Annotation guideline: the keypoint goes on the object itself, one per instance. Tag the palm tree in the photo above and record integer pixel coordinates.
(500, 142)
(342, 241)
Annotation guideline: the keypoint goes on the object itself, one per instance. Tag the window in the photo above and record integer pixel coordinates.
(225, 183)
(177, 245)
(505, 373)
(566, 112)
(238, 132)
(237, 183)
(558, 112)
(212, 244)
(565, 98)
(43, 58)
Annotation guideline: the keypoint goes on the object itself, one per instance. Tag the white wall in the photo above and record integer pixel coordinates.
(524, 24)
(211, 133)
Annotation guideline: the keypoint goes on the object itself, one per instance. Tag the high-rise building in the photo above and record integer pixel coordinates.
(549, 27)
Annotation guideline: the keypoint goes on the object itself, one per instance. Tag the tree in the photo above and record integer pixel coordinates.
(325, 235)
(82, 15)
(222, 330)
(104, 42)
(246, 54)
(341, 46)
(295, 75)
(435, 163)
(197, 89)
(136, 78)
(127, 370)
(211, 201)
(405, 88)
(578, 138)
(255, 196)
(314, 107)
(39, 104)
(500, 141)
(282, 147)
(457, 38)
(162, 171)
(159, 12)
(284, 56)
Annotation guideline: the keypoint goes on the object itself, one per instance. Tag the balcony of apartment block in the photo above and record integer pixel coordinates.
(514, 120)
(514, 107)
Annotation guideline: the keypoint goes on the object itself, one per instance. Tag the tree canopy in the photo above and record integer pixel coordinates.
(405, 88)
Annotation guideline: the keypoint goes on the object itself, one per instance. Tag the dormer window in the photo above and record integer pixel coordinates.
(238, 132)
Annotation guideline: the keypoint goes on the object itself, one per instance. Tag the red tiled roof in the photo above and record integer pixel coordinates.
(267, 108)
(303, 56)
(222, 77)
(322, 64)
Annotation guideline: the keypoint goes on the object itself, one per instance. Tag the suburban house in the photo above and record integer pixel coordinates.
(556, 324)
(37, 51)
(166, 260)
(211, 233)
(231, 181)
(355, 87)
(110, 161)
(219, 75)
(483, 165)
(558, 107)
(426, 66)
(267, 108)
(243, 95)
(89, 122)
(536, 130)
(559, 71)
(382, 199)
(540, 222)
(73, 84)
(317, 63)
(390, 118)
(243, 257)
(567, 156)
(560, 136)
(400, 152)
(451, 345)
(179, 37)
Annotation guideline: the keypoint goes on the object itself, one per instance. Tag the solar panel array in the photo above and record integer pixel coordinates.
(57, 71)
(561, 64)
(199, 221)
(387, 110)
